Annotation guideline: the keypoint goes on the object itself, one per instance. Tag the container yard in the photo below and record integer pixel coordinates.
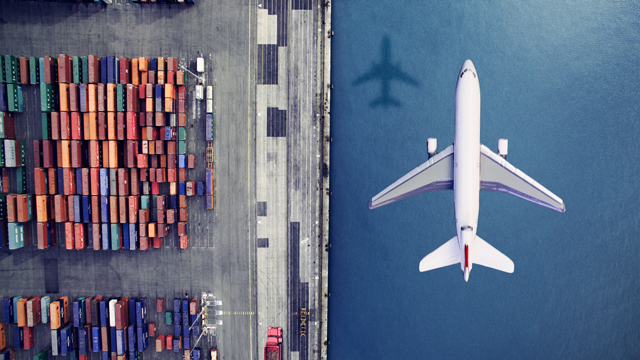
(170, 132)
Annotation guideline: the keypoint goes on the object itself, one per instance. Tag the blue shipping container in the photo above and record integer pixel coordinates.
(121, 341)
(176, 319)
(83, 341)
(111, 76)
(105, 243)
(18, 337)
(141, 312)
(104, 212)
(209, 127)
(78, 313)
(104, 182)
(7, 310)
(133, 236)
(60, 181)
(103, 70)
(125, 235)
(173, 201)
(176, 344)
(131, 329)
(168, 133)
(154, 64)
(83, 98)
(76, 209)
(132, 310)
(117, 70)
(186, 341)
(95, 339)
(209, 182)
(79, 181)
(182, 161)
(41, 69)
(196, 353)
(143, 337)
(105, 355)
(86, 209)
(112, 337)
(185, 319)
(66, 340)
(176, 305)
(158, 91)
(182, 186)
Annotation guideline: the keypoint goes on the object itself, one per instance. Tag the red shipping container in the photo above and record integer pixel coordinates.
(152, 329)
(47, 154)
(152, 175)
(143, 216)
(182, 93)
(181, 106)
(123, 182)
(80, 232)
(64, 69)
(102, 126)
(132, 98)
(102, 97)
(159, 145)
(171, 77)
(9, 126)
(182, 201)
(111, 126)
(65, 126)
(95, 181)
(76, 126)
(144, 174)
(23, 208)
(70, 210)
(182, 175)
(113, 209)
(76, 153)
(142, 161)
(160, 215)
(184, 241)
(40, 183)
(171, 147)
(41, 232)
(95, 209)
(133, 209)
(135, 184)
(171, 216)
(120, 131)
(28, 338)
(49, 71)
(97, 234)
(69, 178)
(182, 119)
(122, 317)
(131, 153)
(132, 126)
(24, 70)
(160, 175)
(148, 122)
(157, 242)
(123, 209)
(74, 94)
(182, 228)
(191, 161)
(171, 165)
(160, 305)
(155, 188)
(68, 235)
(151, 77)
(53, 183)
(37, 153)
(94, 69)
(55, 125)
(85, 182)
(142, 93)
(144, 243)
(125, 66)
(94, 153)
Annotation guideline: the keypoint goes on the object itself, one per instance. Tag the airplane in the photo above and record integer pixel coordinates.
(385, 71)
(466, 167)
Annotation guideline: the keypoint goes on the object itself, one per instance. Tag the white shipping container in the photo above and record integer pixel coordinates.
(200, 64)
(9, 153)
(145, 147)
(209, 106)
(1, 124)
(199, 92)
(112, 312)
(210, 92)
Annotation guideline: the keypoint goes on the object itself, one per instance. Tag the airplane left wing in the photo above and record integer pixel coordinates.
(435, 174)
(496, 174)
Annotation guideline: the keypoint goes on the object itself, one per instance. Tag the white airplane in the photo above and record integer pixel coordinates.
(467, 167)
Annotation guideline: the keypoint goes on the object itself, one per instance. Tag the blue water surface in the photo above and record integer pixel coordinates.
(561, 81)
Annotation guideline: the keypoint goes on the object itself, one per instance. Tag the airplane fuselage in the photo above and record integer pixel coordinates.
(466, 157)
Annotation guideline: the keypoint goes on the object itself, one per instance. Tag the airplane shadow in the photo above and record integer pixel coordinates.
(385, 71)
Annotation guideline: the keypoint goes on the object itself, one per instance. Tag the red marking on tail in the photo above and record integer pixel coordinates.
(466, 256)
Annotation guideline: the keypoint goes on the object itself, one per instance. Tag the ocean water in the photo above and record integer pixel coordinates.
(561, 81)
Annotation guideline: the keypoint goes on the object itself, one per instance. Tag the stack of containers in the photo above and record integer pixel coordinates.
(14, 72)
(210, 178)
(118, 136)
(62, 336)
(24, 313)
(183, 318)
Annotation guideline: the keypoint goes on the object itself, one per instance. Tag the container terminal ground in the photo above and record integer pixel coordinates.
(263, 250)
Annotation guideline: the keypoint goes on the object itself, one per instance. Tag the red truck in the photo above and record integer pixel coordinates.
(274, 344)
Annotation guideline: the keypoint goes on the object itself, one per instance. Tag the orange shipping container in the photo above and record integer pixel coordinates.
(65, 152)
(3, 338)
(42, 204)
(111, 97)
(113, 154)
(53, 183)
(60, 204)
(92, 97)
(64, 96)
(54, 315)
(94, 154)
(105, 154)
(65, 305)
(160, 77)
(23, 207)
(144, 77)
(143, 64)
(21, 312)
(134, 71)
(68, 236)
(111, 126)
(122, 204)
(113, 209)
(149, 104)
(151, 230)
(80, 236)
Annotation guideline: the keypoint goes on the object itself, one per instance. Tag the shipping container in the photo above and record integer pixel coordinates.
(67, 338)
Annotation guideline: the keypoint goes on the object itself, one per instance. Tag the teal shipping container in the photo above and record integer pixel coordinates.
(34, 72)
(77, 69)
(85, 70)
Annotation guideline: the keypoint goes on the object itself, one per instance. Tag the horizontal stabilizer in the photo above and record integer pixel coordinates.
(486, 255)
(445, 255)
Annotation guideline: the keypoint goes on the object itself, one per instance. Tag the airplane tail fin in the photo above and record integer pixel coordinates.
(486, 255)
(445, 255)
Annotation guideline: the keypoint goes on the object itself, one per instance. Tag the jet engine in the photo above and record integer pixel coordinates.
(503, 148)
(432, 146)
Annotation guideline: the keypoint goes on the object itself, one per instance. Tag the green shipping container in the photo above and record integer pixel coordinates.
(85, 69)
(11, 69)
(144, 201)
(21, 183)
(14, 97)
(168, 317)
(182, 133)
(77, 69)
(2, 68)
(2, 154)
(42, 355)
(46, 123)
(120, 96)
(115, 237)
(47, 97)
(34, 71)
(1, 124)
(182, 147)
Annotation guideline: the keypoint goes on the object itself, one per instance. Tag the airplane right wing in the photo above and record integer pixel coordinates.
(496, 174)
(435, 174)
